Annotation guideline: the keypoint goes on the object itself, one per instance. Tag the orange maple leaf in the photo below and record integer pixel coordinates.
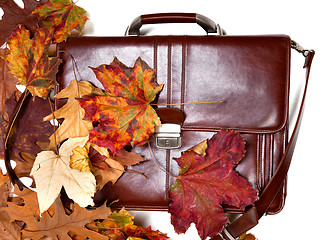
(28, 60)
(124, 114)
(63, 15)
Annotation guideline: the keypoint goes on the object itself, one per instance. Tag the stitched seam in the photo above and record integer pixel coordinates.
(267, 159)
(167, 176)
(169, 72)
(155, 55)
(262, 158)
(258, 162)
(183, 72)
(271, 146)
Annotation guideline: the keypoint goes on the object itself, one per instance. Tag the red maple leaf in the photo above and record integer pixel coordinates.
(205, 183)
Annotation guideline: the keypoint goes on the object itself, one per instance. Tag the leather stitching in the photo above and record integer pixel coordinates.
(169, 71)
(155, 53)
(183, 72)
(257, 161)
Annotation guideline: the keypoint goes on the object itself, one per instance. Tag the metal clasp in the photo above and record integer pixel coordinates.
(168, 136)
(299, 48)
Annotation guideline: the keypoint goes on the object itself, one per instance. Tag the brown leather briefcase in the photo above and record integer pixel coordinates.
(250, 74)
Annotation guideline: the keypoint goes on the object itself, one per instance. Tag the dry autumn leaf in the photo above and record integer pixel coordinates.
(52, 172)
(208, 182)
(7, 84)
(14, 15)
(55, 223)
(73, 124)
(28, 60)
(105, 168)
(28, 129)
(124, 114)
(8, 230)
(64, 15)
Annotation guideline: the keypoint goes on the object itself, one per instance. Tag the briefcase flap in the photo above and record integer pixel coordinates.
(249, 74)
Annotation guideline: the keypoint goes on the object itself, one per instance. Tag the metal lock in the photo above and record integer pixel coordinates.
(168, 136)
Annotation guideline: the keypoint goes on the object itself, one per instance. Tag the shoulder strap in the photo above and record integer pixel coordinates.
(250, 218)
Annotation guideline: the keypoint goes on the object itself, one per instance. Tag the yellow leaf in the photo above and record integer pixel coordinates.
(79, 159)
(52, 172)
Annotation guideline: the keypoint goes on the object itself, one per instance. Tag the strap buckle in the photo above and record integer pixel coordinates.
(168, 136)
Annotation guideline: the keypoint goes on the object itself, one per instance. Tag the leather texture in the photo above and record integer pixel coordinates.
(249, 73)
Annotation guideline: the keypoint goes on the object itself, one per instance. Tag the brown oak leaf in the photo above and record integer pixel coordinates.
(205, 183)
(124, 114)
(110, 168)
(54, 223)
(8, 230)
(14, 15)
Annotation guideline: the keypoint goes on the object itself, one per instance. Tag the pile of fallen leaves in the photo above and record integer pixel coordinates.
(87, 150)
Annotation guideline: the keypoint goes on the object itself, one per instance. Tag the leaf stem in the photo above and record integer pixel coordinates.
(12, 121)
(184, 103)
(54, 129)
(154, 161)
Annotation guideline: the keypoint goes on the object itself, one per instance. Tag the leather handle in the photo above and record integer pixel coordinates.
(206, 23)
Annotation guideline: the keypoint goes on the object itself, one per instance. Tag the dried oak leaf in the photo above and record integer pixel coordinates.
(110, 168)
(205, 183)
(64, 15)
(7, 84)
(54, 223)
(14, 15)
(29, 62)
(124, 114)
(73, 124)
(8, 230)
(105, 168)
(120, 226)
(52, 172)
(28, 129)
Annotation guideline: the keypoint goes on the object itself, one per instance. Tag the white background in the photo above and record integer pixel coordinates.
(303, 21)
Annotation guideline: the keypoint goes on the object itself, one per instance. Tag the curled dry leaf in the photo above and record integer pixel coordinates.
(73, 124)
(64, 15)
(28, 60)
(52, 172)
(54, 223)
(205, 183)
(124, 114)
